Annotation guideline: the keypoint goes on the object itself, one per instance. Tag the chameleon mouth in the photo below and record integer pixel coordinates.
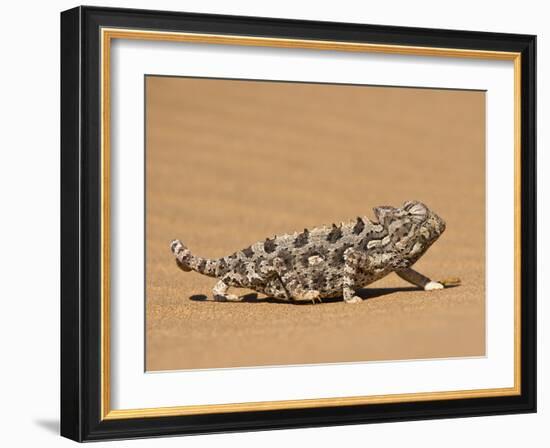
(441, 226)
(174, 246)
(437, 224)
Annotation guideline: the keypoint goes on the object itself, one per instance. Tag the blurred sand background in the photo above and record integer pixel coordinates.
(232, 162)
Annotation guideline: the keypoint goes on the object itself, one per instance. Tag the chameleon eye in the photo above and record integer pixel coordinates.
(419, 210)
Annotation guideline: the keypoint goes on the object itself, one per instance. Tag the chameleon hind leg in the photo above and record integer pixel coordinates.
(247, 277)
(220, 293)
(293, 286)
(417, 279)
(264, 278)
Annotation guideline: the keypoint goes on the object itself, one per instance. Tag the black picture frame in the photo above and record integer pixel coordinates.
(81, 224)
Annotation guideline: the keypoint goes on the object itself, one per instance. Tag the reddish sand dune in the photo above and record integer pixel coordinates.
(232, 162)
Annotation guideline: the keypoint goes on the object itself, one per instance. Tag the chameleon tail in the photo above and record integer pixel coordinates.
(186, 261)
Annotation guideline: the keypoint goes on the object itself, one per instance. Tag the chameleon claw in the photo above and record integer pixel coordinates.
(312, 295)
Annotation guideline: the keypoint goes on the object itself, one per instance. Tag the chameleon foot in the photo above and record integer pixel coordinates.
(432, 286)
(312, 295)
(227, 298)
(354, 299)
(220, 293)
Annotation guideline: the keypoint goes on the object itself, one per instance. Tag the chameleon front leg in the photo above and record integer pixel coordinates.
(417, 279)
(352, 262)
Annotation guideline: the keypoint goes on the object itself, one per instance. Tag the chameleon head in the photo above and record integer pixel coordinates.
(412, 228)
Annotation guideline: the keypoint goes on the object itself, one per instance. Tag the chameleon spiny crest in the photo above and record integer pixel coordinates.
(327, 261)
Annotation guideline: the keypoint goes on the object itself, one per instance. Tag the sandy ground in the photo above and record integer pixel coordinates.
(232, 162)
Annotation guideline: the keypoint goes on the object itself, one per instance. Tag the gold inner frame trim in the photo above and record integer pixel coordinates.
(107, 35)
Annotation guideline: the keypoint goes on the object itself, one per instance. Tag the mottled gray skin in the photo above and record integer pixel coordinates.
(326, 261)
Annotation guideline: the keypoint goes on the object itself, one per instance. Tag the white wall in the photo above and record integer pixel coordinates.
(29, 181)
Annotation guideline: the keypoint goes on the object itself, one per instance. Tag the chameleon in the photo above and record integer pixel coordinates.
(327, 261)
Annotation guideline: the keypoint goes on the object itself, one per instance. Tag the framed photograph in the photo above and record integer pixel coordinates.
(273, 223)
